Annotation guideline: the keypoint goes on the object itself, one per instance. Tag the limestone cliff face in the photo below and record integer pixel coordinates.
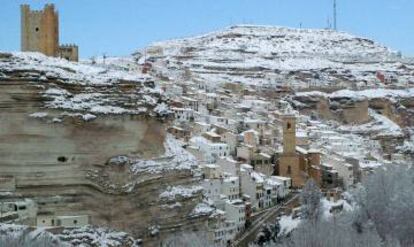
(352, 106)
(99, 150)
(342, 109)
(400, 111)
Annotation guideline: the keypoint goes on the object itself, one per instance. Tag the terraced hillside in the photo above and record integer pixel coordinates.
(262, 55)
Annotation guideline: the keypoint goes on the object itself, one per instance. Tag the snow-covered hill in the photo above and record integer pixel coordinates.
(262, 54)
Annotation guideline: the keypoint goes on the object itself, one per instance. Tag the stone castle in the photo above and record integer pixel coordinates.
(40, 33)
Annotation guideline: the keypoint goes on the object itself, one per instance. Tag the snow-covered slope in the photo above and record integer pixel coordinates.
(20, 235)
(109, 88)
(261, 54)
(63, 70)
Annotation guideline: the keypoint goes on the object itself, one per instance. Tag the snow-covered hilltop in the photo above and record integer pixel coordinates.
(276, 55)
(281, 42)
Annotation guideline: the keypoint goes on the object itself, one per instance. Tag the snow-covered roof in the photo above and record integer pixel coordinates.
(231, 179)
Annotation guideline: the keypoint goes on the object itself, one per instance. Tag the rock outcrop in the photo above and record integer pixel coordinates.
(86, 140)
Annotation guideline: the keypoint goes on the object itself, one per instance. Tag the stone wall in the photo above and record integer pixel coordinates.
(69, 52)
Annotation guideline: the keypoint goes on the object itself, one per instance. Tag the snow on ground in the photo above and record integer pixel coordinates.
(69, 72)
(127, 63)
(330, 138)
(202, 209)
(174, 158)
(368, 93)
(86, 88)
(86, 236)
(329, 207)
(96, 103)
(267, 39)
(408, 145)
(172, 206)
(257, 55)
(92, 236)
(370, 164)
(175, 192)
(39, 114)
(380, 126)
(162, 109)
(288, 224)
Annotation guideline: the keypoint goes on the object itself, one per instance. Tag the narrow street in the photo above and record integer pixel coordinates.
(250, 233)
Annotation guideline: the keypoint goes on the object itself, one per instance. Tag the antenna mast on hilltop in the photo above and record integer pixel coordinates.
(334, 14)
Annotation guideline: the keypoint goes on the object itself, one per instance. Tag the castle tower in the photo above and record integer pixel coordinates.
(40, 30)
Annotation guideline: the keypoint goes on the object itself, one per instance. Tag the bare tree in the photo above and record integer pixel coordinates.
(187, 239)
(27, 238)
(310, 198)
(383, 214)
(331, 234)
(387, 200)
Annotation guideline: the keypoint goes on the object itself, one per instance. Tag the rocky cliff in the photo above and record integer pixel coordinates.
(86, 140)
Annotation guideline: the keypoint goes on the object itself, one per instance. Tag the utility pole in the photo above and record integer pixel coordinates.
(334, 14)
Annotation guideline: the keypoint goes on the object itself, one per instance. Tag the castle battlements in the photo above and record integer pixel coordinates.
(40, 33)
(68, 45)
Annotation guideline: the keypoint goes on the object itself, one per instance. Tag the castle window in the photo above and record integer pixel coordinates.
(289, 170)
(289, 126)
(37, 29)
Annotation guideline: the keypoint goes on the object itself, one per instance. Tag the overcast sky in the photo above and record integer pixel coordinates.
(119, 27)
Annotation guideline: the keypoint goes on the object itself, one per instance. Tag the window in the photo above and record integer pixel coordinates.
(289, 126)
(37, 29)
(75, 222)
(289, 170)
